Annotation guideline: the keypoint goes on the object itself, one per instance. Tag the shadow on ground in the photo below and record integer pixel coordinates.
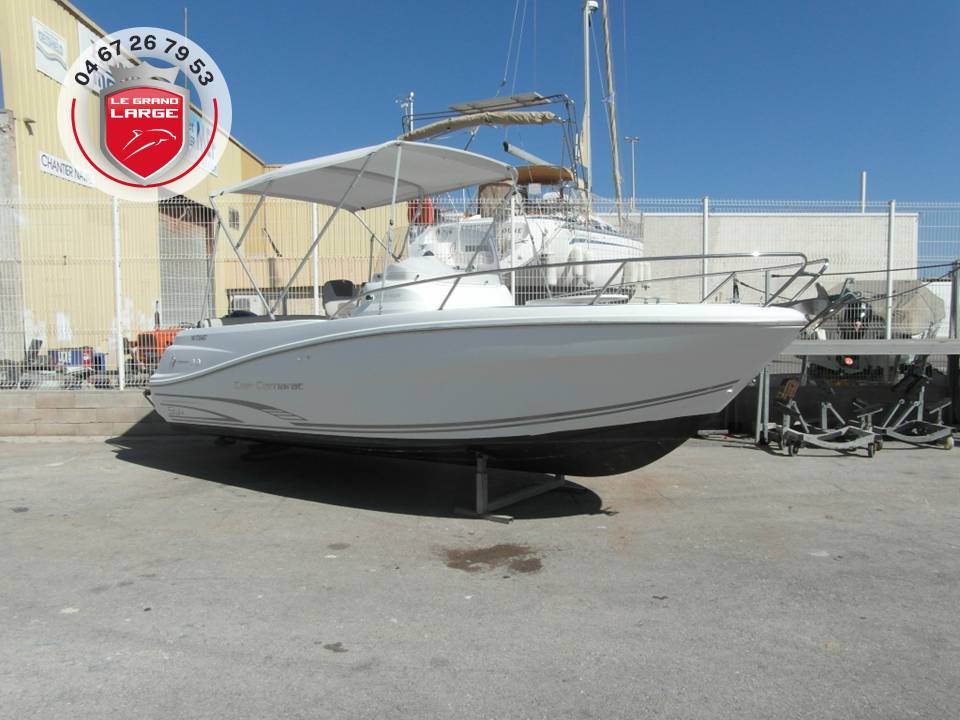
(383, 484)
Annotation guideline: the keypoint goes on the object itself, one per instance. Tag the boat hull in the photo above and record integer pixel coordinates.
(587, 453)
(584, 390)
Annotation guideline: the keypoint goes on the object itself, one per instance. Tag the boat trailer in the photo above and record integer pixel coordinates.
(910, 421)
(795, 431)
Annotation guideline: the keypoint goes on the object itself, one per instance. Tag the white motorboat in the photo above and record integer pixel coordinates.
(426, 362)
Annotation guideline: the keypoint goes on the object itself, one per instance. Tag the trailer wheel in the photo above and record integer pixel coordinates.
(871, 449)
(948, 443)
(879, 443)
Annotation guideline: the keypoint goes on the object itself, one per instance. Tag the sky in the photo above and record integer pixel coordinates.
(765, 99)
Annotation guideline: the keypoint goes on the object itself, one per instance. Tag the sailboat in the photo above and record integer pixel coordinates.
(551, 217)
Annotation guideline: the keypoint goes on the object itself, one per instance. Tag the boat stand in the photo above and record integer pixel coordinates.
(898, 425)
(841, 438)
(485, 506)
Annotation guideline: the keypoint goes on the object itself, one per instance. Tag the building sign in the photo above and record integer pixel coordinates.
(49, 51)
(52, 165)
(198, 138)
(85, 38)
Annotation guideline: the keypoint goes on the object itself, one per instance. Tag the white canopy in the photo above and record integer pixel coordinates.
(424, 170)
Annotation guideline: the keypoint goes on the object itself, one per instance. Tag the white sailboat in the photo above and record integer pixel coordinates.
(551, 218)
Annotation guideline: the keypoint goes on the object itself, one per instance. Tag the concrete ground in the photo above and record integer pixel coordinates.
(170, 578)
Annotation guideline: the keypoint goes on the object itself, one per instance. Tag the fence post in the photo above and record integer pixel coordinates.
(316, 265)
(953, 361)
(513, 249)
(891, 220)
(704, 244)
(761, 427)
(766, 370)
(117, 298)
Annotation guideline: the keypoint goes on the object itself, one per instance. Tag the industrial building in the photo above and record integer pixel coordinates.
(57, 262)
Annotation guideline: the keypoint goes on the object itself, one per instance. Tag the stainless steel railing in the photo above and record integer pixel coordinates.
(801, 269)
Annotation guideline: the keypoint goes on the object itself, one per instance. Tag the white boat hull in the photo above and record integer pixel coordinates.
(532, 387)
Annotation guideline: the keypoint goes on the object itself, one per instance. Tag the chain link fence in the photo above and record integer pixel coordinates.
(89, 289)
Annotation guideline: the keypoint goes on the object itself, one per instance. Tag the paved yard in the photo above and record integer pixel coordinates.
(171, 578)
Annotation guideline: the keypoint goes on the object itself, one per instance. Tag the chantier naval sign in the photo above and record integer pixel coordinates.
(126, 109)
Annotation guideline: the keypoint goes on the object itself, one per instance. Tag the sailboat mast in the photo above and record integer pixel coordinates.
(611, 98)
(589, 7)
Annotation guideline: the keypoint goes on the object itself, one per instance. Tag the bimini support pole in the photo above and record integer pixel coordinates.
(323, 230)
(393, 217)
(373, 233)
(236, 247)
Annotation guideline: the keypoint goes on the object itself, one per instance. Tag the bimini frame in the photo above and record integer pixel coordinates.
(361, 179)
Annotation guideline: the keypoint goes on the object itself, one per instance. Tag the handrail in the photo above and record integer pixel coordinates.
(719, 286)
(607, 284)
(452, 288)
(801, 265)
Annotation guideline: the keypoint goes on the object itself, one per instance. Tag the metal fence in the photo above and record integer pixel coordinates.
(93, 291)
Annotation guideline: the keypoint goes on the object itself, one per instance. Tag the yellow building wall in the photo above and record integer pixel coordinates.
(65, 229)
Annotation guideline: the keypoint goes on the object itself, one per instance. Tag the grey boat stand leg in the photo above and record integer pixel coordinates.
(485, 506)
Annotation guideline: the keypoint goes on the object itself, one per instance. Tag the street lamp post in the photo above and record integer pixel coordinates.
(633, 140)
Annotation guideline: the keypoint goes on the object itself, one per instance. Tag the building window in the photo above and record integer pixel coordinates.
(234, 219)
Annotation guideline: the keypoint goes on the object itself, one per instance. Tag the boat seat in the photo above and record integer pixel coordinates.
(337, 293)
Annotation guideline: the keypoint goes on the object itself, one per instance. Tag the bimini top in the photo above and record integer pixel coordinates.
(423, 170)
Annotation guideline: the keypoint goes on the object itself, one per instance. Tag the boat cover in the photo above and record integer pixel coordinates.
(461, 122)
(544, 174)
(501, 102)
(917, 311)
(424, 170)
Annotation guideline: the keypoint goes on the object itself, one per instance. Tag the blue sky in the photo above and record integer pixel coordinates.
(747, 99)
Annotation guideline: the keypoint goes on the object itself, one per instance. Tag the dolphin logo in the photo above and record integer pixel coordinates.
(144, 132)
(151, 137)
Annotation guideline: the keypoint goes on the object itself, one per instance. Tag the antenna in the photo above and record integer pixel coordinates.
(406, 111)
